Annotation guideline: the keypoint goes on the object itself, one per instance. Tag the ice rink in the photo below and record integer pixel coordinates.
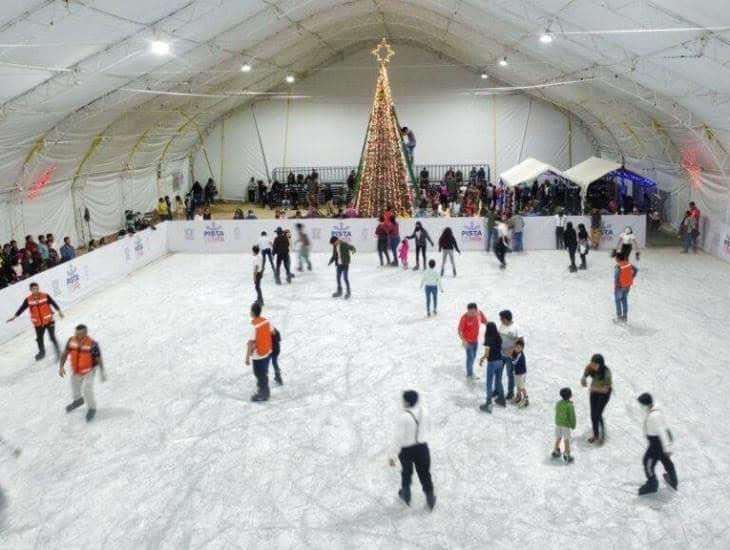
(179, 458)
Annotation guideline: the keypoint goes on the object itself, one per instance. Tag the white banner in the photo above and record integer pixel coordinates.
(73, 281)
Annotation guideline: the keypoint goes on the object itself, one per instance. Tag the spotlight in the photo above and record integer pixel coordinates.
(484, 75)
(290, 79)
(503, 62)
(546, 37)
(246, 68)
(160, 47)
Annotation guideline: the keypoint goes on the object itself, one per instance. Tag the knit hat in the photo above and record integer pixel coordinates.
(410, 397)
(333, 239)
(646, 399)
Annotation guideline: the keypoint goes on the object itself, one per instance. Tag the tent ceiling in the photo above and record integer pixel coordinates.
(78, 74)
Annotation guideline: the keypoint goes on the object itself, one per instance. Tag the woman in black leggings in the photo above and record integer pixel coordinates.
(600, 393)
(421, 236)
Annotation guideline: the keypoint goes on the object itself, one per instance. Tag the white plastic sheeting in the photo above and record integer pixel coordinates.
(591, 170)
(327, 126)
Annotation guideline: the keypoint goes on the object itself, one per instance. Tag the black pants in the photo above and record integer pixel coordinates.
(598, 403)
(626, 250)
(261, 372)
(499, 250)
(418, 456)
(559, 244)
(40, 331)
(266, 252)
(421, 249)
(286, 260)
(583, 260)
(383, 251)
(257, 284)
(655, 453)
(571, 253)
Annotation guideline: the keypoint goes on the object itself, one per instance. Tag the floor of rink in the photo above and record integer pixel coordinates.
(179, 458)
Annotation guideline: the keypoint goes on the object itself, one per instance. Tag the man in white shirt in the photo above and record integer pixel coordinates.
(509, 332)
(265, 246)
(412, 449)
(660, 447)
(560, 221)
(258, 273)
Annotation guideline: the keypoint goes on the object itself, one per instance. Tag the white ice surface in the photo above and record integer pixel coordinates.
(179, 458)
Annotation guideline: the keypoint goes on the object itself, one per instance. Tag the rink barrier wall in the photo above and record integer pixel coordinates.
(238, 236)
(72, 282)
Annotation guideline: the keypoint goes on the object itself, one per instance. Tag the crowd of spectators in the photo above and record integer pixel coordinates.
(303, 191)
(18, 263)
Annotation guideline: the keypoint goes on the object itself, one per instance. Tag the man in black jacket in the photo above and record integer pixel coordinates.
(281, 251)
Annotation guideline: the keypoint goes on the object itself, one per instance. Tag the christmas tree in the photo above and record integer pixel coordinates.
(384, 171)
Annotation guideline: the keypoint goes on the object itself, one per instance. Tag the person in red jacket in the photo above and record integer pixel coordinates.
(469, 334)
(623, 275)
(39, 305)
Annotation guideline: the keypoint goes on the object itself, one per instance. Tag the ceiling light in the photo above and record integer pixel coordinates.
(546, 37)
(503, 62)
(290, 79)
(160, 47)
(246, 68)
(484, 75)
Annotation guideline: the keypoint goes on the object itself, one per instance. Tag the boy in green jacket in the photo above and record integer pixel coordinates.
(564, 423)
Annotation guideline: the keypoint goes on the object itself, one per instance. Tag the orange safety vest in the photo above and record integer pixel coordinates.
(625, 275)
(82, 361)
(263, 336)
(40, 310)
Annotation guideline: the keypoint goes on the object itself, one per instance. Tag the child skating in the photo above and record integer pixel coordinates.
(431, 281)
(403, 253)
(519, 364)
(564, 423)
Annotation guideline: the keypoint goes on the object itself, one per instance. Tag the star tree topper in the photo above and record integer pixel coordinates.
(383, 52)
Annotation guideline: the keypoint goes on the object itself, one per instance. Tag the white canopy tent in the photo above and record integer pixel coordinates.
(527, 171)
(84, 96)
(591, 170)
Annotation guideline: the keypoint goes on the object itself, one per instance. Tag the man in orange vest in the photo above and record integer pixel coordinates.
(85, 357)
(39, 306)
(624, 274)
(259, 349)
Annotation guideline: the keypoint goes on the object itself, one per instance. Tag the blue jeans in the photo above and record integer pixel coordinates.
(622, 302)
(432, 290)
(494, 379)
(342, 271)
(492, 235)
(471, 354)
(517, 241)
(394, 242)
(690, 240)
(410, 147)
(510, 374)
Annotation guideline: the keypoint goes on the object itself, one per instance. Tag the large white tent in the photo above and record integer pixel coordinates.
(85, 101)
(591, 170)
(527, 171)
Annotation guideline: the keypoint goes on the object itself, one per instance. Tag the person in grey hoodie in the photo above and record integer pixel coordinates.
(421, 236)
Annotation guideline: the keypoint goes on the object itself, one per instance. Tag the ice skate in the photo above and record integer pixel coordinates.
(428, 314)
(337, 294)
(75, 404)
(509, 396)
(501, 401)
(278, 379)
(430, 500)
(486, 407)
(435, 312)
(90, 414)
(651, 486)
(347, 295)
(405, 495)
(567, 458)
(555, 454)
(671, 482)
(259, 398)
(40, 355)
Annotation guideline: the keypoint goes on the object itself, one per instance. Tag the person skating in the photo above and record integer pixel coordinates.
(393, 235)
(583, 245)
(265, 246)
(85, 357)
(600, 394)
(596, 228)
(447, 245)
(519, 361)
(421, 236)
(469, 335)
(403, 253)
(564, 424)
(623, 278)
(39, 306)
(659, 449)
(500, 246)
(382, 234)
(626, 243)
(342, 252)
(570, 242)
(305, 245)
(275, 351)
(412, 449)
(431, 281)
(280, 249)
(258, 273)
(258, 350)
(495, 364)
(560, 221)
(509, 333)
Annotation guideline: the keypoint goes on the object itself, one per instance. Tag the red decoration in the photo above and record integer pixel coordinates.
(692, 167)
(43, 180)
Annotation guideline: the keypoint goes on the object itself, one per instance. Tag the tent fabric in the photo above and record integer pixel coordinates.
(82, 91)
(591, 170)
(527, 171)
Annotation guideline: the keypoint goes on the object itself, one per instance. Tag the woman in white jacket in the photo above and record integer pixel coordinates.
(660, 447)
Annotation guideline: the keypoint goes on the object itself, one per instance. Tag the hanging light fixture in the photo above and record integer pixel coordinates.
(546, 37)
(290, 79)
(160, 47)
(484, 75)
(245, 68)
(503, 62)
